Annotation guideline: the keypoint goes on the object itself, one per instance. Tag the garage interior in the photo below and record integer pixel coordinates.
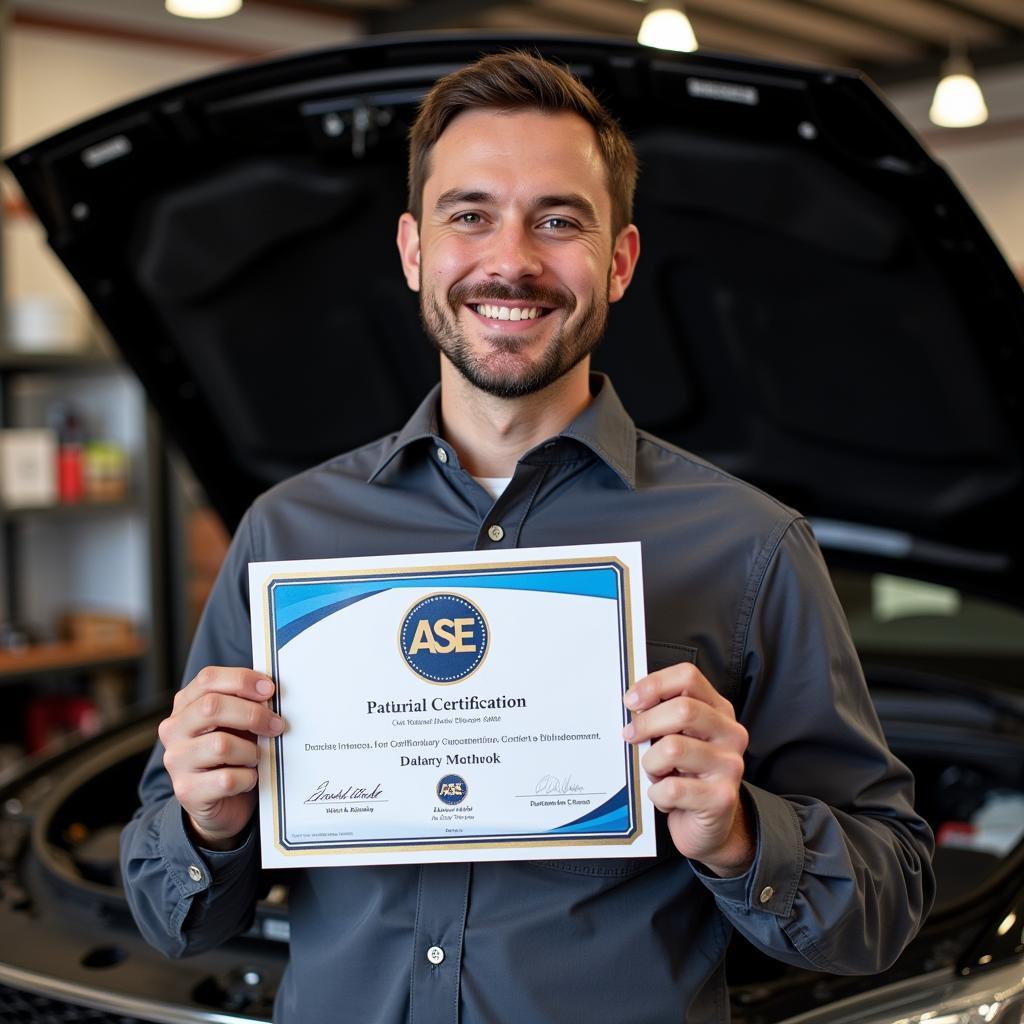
(108, 546)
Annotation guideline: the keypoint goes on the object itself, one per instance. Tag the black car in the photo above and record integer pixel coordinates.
(817, 310)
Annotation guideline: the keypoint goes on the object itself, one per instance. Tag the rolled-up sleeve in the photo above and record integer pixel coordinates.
(186, 899)
(842, 875)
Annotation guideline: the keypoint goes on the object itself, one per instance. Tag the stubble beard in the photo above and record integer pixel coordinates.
(496, 372)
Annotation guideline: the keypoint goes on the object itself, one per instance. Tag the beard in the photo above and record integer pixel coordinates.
(496, 371)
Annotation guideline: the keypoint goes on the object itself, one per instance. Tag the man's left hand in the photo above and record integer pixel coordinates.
(695, 764)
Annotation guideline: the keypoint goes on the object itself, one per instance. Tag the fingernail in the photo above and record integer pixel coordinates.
(629, 732)
(631, 699)
(264, 687)
(276, 724)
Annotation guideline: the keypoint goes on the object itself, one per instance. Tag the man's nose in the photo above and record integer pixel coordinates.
(512, 253)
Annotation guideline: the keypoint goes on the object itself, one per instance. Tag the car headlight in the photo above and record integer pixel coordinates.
(991, 996)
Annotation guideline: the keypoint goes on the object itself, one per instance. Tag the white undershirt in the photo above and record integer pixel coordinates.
(493, 485)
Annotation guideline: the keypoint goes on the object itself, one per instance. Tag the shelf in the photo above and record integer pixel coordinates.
(106, 547)
(71, 509)
(39, 658)
(93, 359)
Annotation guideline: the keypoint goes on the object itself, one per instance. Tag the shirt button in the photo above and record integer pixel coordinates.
(435, 955)
(766, 894)
(194, 873)
(442, 456)
(495, 532)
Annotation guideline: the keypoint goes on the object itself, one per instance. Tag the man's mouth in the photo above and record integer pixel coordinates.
(491, 311)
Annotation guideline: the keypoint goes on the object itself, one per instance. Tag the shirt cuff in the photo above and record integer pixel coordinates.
(192, 868)
(770, 883)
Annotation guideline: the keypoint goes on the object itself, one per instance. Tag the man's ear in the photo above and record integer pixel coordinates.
(624, 256)
(409, 249)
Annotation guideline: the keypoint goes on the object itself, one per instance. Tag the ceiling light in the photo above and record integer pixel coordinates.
(667, 27)
(958, 101)
(203, 8)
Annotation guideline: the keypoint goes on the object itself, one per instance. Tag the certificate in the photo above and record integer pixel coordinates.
(451, 707)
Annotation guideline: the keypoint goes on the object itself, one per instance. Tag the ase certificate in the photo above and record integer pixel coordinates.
(452, 706)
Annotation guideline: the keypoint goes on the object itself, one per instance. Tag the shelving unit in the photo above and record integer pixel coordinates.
(88, 555)
(121, 556)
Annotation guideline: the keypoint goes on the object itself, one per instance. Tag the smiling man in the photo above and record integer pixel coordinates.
(782, 812)
(517, 247)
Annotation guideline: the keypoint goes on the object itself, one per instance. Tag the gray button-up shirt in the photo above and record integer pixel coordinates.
(732, 581)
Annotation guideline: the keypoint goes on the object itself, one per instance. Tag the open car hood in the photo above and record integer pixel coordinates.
(817, 309)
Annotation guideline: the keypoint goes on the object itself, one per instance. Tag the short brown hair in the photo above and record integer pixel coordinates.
(519, 81)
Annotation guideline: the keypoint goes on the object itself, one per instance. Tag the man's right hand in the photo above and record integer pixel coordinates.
(210, 749)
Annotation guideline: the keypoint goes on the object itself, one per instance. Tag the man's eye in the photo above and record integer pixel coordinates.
(470, 219)
(557, 224)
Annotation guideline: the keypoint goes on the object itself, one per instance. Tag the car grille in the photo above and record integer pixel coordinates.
(27, 1008)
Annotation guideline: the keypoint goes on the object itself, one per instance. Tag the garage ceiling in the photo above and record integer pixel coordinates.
(893, 40)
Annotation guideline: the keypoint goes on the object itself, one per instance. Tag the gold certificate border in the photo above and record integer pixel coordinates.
(445, 846)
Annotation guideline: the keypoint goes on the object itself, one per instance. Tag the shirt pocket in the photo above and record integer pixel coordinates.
(660, 654)
(664, 653)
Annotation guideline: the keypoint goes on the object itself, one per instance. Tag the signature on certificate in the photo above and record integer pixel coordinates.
(327, 792)
(553, 784)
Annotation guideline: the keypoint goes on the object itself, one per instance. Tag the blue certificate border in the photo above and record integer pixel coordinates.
(617, 821)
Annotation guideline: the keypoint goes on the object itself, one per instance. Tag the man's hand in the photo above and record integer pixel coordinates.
(210, 749)
(695, 764)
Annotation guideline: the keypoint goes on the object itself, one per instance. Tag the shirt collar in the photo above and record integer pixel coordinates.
(420, 426)
(607, 430)
(604, 427)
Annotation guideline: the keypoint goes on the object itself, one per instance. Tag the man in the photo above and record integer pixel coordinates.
(782, 812)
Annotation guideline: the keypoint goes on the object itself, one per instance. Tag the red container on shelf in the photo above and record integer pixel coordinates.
(70, 458)
(70, 475)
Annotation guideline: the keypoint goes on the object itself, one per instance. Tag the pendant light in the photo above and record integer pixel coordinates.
(958, 102)
(203, 8)
(666, 27)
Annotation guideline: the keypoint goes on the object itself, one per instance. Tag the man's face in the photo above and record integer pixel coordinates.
(514, 258)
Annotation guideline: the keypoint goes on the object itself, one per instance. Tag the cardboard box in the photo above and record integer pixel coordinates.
(86, 627)
(28, 468)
